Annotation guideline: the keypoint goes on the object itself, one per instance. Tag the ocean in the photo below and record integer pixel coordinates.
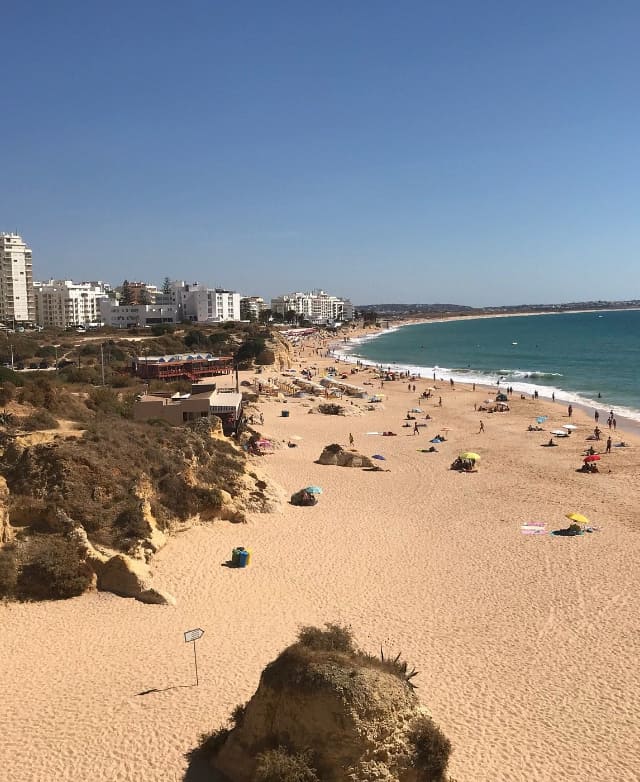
(586, 358)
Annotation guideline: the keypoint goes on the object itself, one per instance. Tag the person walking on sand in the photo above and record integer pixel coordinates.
(481, 427)
(415, 428)
(570, 411)
(608, 448)
(350, 439)
(439, 401)
(596, 416)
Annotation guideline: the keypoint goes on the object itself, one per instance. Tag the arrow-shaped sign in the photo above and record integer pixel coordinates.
(193, 635)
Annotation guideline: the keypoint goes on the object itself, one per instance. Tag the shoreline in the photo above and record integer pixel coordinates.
(628, 418)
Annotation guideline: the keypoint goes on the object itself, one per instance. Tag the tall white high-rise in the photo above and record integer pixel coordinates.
(17, 303)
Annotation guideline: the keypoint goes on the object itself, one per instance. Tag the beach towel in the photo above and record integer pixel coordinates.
(533, 528)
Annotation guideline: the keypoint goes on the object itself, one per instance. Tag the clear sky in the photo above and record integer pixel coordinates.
(469, 152)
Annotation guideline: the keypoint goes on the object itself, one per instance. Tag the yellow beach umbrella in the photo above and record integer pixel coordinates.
(469, 455)
(578, 518)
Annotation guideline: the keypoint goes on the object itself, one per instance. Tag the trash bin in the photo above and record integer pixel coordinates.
(285, 414)
(240, 557)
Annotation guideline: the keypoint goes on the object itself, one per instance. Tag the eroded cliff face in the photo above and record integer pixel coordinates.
(282, 351)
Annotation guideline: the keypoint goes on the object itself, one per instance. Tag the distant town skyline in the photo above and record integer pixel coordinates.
(481, 154)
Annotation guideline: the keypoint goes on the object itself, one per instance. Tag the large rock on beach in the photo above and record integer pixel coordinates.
(341, 457)
(356, 717)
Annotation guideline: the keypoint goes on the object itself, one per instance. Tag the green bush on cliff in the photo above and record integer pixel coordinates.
(53, 570)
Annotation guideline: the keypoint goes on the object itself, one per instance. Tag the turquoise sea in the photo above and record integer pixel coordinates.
(576, 356)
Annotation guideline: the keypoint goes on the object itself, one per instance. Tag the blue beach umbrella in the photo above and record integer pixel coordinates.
(313, 490)
(541, 419)
(378, 456)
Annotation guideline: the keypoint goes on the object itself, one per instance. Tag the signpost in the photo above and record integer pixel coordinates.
(191, 636)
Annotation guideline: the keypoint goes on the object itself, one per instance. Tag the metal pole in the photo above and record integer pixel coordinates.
(102, 360)
(195, 659)
(11, 356)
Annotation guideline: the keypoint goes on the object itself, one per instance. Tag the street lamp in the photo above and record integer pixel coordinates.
(56, 349)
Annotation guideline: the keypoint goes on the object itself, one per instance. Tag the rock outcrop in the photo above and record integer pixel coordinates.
(6, 531)
(116, 572)
(353, 716)
(341, 457)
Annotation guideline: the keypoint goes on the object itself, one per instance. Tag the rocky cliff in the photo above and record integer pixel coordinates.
(113, 497)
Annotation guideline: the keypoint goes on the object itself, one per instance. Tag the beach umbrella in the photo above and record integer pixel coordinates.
(570, 427)
(559, 432)
(378, 456)
(313, 490)
(578, 518)
(541, 419)
(474, 457)
(591, 458)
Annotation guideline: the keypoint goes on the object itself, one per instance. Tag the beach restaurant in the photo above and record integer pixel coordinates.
(186, 366)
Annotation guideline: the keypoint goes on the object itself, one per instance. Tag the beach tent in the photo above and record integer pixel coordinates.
(304, 498)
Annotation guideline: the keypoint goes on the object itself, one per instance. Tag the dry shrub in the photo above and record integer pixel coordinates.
(431, 750)
(278, 765)
(39, 420)
(334, 638)
(8, 571)
(210, 744)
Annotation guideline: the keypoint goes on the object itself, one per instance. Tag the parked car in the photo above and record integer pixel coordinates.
(44, 365)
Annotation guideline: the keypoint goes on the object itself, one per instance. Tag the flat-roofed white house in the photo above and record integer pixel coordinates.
(128, 316)
(204, 400)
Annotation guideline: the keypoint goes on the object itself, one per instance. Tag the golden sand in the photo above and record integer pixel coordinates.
(527, 646)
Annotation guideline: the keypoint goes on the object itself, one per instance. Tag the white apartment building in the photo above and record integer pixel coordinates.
(64, 303)
(209, 305)
(251, 307)
(128, 316)
(315, 306)
(16, 281)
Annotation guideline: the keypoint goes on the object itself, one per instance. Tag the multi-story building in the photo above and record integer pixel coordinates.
(64, 303)
(17, 304)
(128, 316)
(209, 305)
(251, 307)
(315, 306)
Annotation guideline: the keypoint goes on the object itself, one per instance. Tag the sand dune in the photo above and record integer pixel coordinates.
(527, 646)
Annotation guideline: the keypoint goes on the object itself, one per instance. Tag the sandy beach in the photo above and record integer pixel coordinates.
(527, 645)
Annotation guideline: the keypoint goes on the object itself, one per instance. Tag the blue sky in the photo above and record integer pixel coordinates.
(469, 152)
